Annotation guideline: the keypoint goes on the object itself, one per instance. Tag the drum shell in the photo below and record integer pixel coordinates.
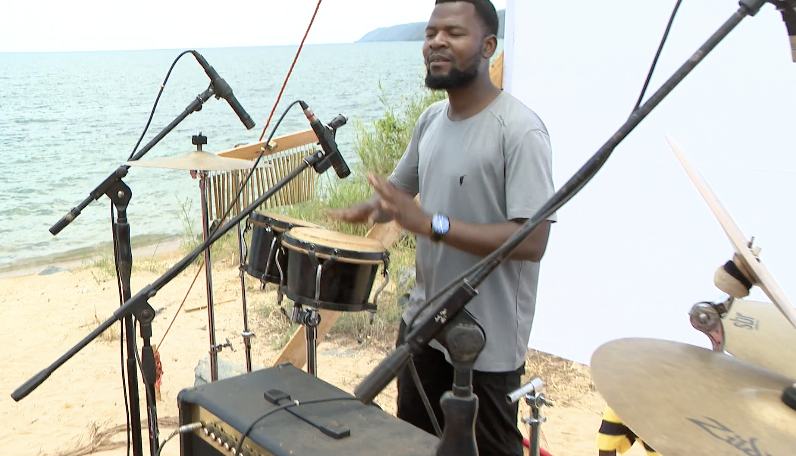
(344, 286)
(260, 249)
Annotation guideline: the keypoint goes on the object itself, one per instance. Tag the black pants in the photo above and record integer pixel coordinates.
(496, 429)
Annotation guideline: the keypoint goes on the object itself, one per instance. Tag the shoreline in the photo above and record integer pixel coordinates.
(145, 246)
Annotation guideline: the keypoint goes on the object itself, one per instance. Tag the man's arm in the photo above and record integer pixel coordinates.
(483, 239)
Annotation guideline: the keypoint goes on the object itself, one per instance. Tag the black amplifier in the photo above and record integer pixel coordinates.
(327, 420)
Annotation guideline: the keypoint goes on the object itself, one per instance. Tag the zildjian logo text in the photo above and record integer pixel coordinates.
(716, 429)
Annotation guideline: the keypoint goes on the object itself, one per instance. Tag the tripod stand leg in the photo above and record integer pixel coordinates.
(247, 335)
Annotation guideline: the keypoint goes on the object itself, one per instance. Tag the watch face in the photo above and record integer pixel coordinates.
(441, 224)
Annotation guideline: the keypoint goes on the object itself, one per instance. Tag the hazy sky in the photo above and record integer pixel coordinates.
(57, 25)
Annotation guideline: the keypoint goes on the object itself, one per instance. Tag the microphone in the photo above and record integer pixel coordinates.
(325, 136)
(788, 11)
(223, 90)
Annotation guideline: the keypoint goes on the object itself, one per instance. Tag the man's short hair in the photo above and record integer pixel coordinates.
(485, 11)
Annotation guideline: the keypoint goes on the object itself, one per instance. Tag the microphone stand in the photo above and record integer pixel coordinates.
(120, 195)
(459, 292)
(138, 304)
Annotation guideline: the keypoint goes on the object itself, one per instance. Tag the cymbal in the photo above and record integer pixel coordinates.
(198, 160)
(757, 333)
(686, 400)
(750, 262)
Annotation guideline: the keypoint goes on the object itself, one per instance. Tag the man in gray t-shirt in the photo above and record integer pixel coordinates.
(481, 163)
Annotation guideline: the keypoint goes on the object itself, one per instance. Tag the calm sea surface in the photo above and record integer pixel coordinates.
(67, 120)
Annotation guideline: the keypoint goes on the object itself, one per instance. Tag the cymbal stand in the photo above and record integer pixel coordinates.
(198, 141)
(246, 334)
(536, 400)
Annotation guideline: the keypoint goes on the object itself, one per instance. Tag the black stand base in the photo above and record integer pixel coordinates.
(463, 339)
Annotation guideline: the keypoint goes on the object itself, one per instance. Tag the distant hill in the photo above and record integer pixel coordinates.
(414, 31)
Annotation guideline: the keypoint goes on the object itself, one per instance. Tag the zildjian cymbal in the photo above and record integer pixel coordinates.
(198, 160)
(749, 262)
(759, 334)
(685, 400)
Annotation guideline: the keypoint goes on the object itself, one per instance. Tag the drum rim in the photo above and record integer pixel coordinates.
(260, 219)
(324, 251)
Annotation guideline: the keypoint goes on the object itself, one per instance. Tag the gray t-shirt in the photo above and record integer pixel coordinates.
(493, 167)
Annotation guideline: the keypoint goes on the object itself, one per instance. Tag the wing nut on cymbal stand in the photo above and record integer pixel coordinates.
(706, 317)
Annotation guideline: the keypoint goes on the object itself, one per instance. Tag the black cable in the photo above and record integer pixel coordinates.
(282, 407)
(160, 92)
(493, 256)
(424, 397)
(657, 55)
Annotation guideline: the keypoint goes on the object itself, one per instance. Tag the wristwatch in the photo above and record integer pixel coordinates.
(440, 225)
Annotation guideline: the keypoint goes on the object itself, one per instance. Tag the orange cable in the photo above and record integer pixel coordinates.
(291, 69)
(201, 266)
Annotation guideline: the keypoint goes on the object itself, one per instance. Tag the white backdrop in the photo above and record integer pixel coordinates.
(637, 247)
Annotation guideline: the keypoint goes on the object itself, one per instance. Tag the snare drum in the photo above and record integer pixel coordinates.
(332, 270)
(262, 258)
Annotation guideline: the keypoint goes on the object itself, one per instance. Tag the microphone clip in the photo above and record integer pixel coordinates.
(320, 166)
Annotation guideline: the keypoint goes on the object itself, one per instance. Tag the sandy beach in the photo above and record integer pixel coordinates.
(79, 409)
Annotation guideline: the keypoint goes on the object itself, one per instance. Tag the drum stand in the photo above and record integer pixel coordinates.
(536, 399)
(310, 317)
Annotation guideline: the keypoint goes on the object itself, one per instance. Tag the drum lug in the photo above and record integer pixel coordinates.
(386, 275)
(313, 259)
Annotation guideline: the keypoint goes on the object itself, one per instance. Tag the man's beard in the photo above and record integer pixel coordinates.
(455, 78)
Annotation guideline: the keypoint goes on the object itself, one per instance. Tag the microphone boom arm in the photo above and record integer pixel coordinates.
(120, 172)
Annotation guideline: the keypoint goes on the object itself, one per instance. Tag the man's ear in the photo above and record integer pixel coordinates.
(489, 46)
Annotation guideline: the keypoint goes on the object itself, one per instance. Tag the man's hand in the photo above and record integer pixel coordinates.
(365, 212)
(401, 206)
